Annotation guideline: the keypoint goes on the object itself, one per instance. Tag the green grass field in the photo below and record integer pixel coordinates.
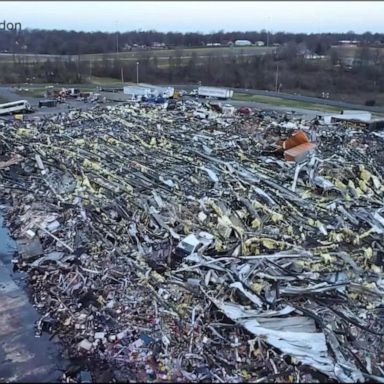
(350, 51)
(161, 54)
(284, 103)
(184, 52)
(104, 81)
(28, 58)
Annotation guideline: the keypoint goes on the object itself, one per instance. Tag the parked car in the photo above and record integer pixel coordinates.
(244, 110)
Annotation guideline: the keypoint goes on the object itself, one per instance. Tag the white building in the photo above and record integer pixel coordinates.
(158, 45)
(313, 56)
(348, 42)
(259, 43)
(243, 43)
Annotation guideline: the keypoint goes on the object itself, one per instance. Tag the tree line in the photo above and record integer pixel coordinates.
(364, 80)
(291, 73)
(63, 42)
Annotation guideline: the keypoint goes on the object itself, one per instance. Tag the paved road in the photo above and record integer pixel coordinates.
(10, 94)
(23, 357)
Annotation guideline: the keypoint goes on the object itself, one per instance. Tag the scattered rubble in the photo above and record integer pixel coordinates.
(287, 285)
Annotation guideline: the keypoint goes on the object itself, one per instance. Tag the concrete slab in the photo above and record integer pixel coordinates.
(23, 357)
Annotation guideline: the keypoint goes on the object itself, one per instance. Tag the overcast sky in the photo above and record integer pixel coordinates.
(202, 16)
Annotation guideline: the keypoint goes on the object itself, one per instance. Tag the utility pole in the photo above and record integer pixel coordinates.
(90, 70)
(137, 72)
(122, 75)
(78, 67)
(267, 38)
(277, 78)
(117, 36)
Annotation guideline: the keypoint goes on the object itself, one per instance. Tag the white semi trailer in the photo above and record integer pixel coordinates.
(136, 91)
(219, 93)
(148, 90)
(157, 90)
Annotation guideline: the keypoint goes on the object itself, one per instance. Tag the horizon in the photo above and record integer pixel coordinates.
(203, 33)
(196, 17)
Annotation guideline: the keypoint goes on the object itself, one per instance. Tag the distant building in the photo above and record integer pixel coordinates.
(313, 56)
(158, 45)
(302, 51)
(348, 42)
(242, 43)
(213, 45)
(126, 47)
(259, 43)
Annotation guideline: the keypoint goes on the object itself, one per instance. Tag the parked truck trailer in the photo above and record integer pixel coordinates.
(136, 91)
(157, 90)
(219, 93)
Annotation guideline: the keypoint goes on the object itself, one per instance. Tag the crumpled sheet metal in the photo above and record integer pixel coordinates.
(298, 247)
(293, 335)
(309, 347)
(290, 338)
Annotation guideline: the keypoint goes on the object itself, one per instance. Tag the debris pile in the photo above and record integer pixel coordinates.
(182, 249)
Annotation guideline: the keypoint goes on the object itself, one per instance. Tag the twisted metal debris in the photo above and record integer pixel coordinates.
(291, 290)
